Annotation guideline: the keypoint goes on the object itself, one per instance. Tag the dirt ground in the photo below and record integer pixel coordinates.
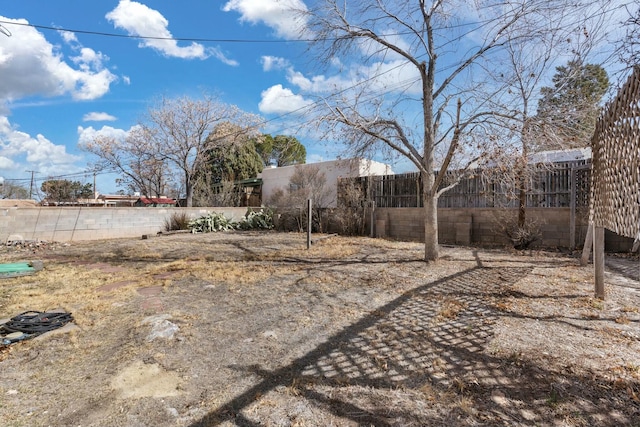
(251, 329)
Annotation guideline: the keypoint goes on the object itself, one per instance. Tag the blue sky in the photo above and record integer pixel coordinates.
(58, 88)
(61, 87)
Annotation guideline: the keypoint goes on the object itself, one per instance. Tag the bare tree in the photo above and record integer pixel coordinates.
(629, 47)
(137, 161)
(438, 54)
(527, 63)
(174, 139)
(11, 190)
(184, 130)
(306, 183)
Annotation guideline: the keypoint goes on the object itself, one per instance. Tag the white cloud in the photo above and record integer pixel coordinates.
(68, 37)
(98, 117)
(270, 63)
(87, 135)
(279, 100)
(46, 73)
(281, 15)
(17, 148)
(89, 59)
(218, 54)
(383, 76)
(138, 19)
(7, 164)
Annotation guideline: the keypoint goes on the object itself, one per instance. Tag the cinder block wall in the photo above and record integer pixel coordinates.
(65, 224)
(480, 226)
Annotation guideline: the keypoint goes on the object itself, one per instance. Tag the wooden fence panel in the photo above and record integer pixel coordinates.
(550, 186)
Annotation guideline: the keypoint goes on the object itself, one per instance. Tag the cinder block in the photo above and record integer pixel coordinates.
(463, 233)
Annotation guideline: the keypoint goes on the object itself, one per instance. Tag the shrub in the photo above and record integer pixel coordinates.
(211, 223)
(257, 220)
(521, 236)
(177, 221)
(253, 220)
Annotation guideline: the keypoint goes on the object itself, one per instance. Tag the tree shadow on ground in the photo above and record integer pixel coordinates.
(435, 336)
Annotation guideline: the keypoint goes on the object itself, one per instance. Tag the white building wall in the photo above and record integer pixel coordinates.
(278, 178)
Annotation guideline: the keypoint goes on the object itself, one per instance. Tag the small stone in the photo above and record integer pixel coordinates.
(10, 392)
(163, 329)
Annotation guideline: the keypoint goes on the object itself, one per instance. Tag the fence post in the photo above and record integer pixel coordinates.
(309, 223)
(572, 206)
(372, 219)
(598, 260)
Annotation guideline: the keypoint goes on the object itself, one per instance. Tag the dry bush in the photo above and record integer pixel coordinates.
(177, 221)
(350, 217)
(521, 236)
(307, 183)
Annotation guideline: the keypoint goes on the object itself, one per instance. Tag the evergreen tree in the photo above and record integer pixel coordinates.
(281, 150)
(234, 163)
(567, 111)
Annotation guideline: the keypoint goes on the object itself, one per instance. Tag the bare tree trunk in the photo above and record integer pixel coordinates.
(522, 202)
(431, 249)
(189, 189)
(430, 200)
(523, 173)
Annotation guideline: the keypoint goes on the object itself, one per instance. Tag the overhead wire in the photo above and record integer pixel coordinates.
(195, 39)
(133, 36)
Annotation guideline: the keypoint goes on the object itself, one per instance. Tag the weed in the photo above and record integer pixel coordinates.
(553, 400)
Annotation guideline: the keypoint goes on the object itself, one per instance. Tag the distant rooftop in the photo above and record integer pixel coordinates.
(559, 156)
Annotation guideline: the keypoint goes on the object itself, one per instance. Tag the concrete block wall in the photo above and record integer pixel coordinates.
(479, 226)
(454, 225)
(65, 224)
(611, 239)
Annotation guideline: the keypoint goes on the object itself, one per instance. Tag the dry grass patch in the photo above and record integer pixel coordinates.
(235, 272)
(61, 286)
(329, 248)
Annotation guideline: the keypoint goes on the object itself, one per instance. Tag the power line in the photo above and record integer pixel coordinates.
(198, 39)
(129, 36)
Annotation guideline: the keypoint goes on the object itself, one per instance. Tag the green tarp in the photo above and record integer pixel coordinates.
(15, 269)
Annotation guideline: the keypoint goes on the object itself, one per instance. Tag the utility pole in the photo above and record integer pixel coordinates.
(31, 186)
